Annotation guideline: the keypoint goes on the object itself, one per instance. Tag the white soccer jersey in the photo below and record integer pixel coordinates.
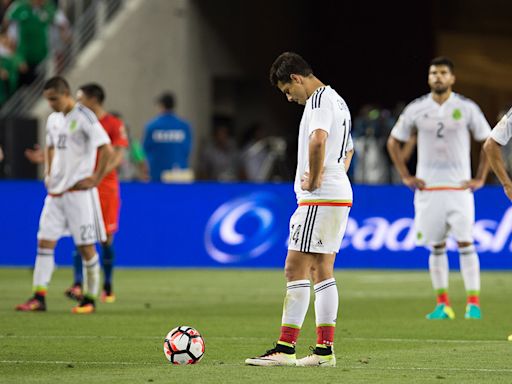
(326, 110)
(75, 138)
(443, 137)
(502, 132)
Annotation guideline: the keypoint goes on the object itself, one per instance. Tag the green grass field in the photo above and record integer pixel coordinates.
(382, 336)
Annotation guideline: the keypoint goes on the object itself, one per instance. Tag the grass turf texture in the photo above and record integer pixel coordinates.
(382, 335)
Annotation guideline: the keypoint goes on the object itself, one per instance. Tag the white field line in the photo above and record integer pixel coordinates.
(348, 339)
(428, 369)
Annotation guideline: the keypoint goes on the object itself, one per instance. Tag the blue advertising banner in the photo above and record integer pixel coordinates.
(246, 225)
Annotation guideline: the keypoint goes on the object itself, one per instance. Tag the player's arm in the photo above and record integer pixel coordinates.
(311, 180)
(397, 155)
(116, 159)
(348, 159)
(495, 157)
(481, 174)
(105, 153)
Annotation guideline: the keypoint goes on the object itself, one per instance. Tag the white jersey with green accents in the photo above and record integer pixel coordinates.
(444, 146)
(326, 110)
(75, 138)
(502, 132)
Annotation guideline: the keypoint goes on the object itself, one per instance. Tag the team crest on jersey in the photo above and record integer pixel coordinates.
(457, 114)
(73, 125)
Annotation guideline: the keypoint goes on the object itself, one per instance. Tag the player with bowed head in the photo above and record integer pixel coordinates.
(74, 138)
(324, 197)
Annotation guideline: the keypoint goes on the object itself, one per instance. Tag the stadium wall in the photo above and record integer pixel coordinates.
(246, 226)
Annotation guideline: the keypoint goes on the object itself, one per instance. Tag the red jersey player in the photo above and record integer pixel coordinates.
(92, 96)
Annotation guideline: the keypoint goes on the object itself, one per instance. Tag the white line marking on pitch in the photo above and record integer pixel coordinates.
(436, 369)
(382, 339)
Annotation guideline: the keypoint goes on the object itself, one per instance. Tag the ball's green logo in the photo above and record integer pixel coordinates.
(457, 114)
(419, 235)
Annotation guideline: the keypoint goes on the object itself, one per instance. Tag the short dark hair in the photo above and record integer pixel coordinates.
(166, 100)
(58, 83)
(94, 90)
(285, 65)
(442, 60)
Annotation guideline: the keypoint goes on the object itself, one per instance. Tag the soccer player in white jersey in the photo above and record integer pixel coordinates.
(73, 136)
(500, 136)
(324, 197)
(443, 199)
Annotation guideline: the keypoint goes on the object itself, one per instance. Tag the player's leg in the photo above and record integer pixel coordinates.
(439, 271)
(461, 219)
(91, 273)
(75, 291)
(51, 227)
(326, 312)
(295, 307)
(110, 203)
(326, 240)
(107, 253)
(431, 225)
(86, 226)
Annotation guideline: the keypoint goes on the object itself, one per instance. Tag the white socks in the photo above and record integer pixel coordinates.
(91, 273)
(470, 268)
(43, 269)
(438, 267)
(296, 302)
(326, 302)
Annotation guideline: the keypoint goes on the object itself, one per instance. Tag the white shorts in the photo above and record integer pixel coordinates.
(318, 229)
(77, 213)
(439, 213)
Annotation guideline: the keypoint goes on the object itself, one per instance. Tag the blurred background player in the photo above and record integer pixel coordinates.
(74, 140)
(443, 199)
(500, 136)
(93, 96)
(324, 196)
(167, 144)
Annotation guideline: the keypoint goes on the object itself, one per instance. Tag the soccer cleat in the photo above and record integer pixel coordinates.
(32, 305)
(74, 292)
(273, 357)
(107, 297)
(86, 306)
(441, 312)
(473, 312)
(318, 358)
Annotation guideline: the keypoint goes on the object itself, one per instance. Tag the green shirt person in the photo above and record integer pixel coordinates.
(33, 19)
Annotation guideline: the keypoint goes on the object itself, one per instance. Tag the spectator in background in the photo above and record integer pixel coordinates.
(220, 159)
(10, 66)
(263, 157)
(32, 19)
(167, 144)
(371, 128)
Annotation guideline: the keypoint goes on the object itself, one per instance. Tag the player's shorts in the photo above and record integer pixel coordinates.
(77, 213)
(318, 229)
(110, 203)
(439, 213)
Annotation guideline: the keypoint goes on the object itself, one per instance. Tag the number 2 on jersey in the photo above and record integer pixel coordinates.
(440, 128)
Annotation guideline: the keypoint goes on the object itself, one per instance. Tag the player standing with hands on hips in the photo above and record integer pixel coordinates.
(443, 198)
(500, 136)
(324, 196)
(73, 139)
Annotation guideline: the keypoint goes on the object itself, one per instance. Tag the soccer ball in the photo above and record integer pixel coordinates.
(183, 345)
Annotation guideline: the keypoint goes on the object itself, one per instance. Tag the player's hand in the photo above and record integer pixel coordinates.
(36, 155)
(473, 184)
(414, 183)
(507, 188)
(305, 182)
(87, 183)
